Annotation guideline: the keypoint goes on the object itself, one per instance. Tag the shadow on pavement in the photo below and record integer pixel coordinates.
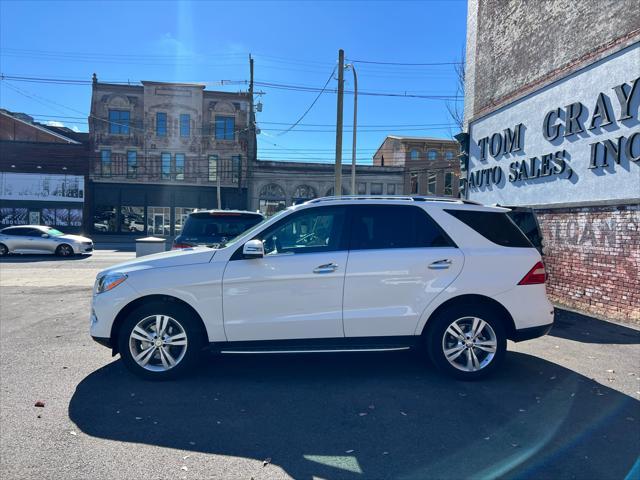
(32, 258)
(373, 416)
(581, 328)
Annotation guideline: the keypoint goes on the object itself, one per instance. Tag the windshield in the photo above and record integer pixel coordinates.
(53, 232)
(216, 229)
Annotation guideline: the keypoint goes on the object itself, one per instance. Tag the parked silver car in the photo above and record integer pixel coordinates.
(42, 239)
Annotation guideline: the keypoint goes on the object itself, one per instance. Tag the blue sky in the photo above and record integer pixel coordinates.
(293, 43)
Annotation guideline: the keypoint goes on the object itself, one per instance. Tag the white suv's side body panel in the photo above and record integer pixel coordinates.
(281, 297)
(386, 291)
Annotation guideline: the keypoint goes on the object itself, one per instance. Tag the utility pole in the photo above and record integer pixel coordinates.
(355, 126)
(337, 190)
(252, 143)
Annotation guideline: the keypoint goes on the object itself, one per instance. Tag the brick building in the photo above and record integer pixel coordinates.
(43, 174)
(430, 165)
(551, 115)
(160, 150)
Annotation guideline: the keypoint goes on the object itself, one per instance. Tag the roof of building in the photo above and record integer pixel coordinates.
(37, 126)
(414, 139)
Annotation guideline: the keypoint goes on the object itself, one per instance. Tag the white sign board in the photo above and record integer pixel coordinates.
(42, 187)
(576, 140)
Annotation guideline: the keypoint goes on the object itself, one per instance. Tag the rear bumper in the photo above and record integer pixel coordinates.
(531, 332)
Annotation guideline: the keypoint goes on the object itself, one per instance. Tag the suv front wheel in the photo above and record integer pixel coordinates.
(160, 341)
(467, 342)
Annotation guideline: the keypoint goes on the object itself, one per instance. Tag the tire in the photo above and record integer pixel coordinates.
(165, 361)
(64, 250)
(3, 250)
(468, 358)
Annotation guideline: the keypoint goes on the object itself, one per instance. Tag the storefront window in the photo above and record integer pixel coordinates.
(48, 216)
(431, 184)
(376, 189)
(62, 217)
(132, 219)
(391, 189)
(303, 193)
(180, 214)
(272, 199)
(448, 183)
(104, 218)
(158, 221)
(413, 183)
(362, 188)
(14, 216)
(75, 217)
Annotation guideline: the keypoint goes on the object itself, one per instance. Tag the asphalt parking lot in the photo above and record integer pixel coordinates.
(564, 406)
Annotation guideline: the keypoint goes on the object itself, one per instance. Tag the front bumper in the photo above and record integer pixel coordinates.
(531, 332)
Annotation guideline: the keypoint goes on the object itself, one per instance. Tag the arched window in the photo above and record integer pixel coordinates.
(303, 193)
(449, 155)
(272, 199)
(432, 155)
(415, 154)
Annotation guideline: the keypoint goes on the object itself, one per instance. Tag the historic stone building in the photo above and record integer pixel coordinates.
(276, 185)
(160, 150)
(430, 165)
(551, 112)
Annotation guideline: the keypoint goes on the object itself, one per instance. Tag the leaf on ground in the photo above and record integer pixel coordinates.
(404, 414)
(266, 461)
(73, 433)
(349, 451)
(39, 403)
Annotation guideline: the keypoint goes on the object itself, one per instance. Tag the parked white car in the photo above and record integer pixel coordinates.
(42, 239)
(334, 274)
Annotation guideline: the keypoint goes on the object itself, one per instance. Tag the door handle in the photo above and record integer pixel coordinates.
(440, 264)
(326, 268)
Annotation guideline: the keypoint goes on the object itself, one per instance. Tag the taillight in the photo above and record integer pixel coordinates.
(535, 276)
(178, 246)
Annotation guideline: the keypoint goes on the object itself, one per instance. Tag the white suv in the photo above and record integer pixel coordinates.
(334, 274)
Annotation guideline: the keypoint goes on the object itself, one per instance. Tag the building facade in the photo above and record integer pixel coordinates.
(551, 112)
(43, 175)
(161, 150)
(430, 165)
(277, 185)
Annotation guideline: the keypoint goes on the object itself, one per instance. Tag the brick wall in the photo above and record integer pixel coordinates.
(593, 260)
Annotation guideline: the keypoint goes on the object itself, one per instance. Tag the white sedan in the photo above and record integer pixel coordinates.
(42, 239)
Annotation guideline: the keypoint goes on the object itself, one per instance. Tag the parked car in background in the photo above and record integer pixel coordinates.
(42, 239)
(334, 274)
(215, 227)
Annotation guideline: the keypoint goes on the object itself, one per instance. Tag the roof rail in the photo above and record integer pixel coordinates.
(414, 198)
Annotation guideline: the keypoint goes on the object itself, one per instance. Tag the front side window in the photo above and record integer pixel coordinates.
(132, 163)
(431, 183)
(394, 226)
(179, 166)
(185, 125)
(432, 155)
(225, 127)
(119, 122)
(166, 166)
(105, 163)
(161, 124)
(213, 168)
(308, 231)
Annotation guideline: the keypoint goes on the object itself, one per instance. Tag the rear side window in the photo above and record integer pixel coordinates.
(394, 226)
(494, 226)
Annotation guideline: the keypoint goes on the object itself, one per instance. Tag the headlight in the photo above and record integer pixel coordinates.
(109, 282)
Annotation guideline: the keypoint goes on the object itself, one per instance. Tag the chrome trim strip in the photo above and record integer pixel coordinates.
(389, 349)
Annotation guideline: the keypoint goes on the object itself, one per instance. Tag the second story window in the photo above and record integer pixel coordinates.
(179, 166)
(132, 163)
(432, 155)
(449, 155)
(415, 154)
(185, 125)
(225, 127)
(105, 163)
(166, 166)
(161, 124)
(119, 122)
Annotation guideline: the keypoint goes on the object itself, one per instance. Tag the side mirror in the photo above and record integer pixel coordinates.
(253, 249)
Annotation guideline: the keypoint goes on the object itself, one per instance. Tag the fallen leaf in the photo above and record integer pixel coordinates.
(138, 418)
(515, 445)
(385, 453)
(72, 433)
(266, 461)
(39, 416)
(611, 371)
(192, 443)
(184, 467)
(462, 394)
(348, 451)
(487, 438)
(362, 414)
(185, 457)
(521, 410)
(402, 413)
(39, 403)
(552, 378)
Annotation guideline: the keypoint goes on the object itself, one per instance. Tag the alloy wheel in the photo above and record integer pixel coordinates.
(65, 251)
(3, 250)
(158, 343)
(469, 344)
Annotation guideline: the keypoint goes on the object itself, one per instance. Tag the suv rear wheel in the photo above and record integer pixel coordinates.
(160, 341)
(467, 342)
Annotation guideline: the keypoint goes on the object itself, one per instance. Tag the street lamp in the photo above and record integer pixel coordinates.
(355, 124)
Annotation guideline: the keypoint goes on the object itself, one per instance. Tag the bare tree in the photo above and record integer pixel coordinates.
(455, 108)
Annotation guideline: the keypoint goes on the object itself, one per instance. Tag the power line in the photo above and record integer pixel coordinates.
(430, 64)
